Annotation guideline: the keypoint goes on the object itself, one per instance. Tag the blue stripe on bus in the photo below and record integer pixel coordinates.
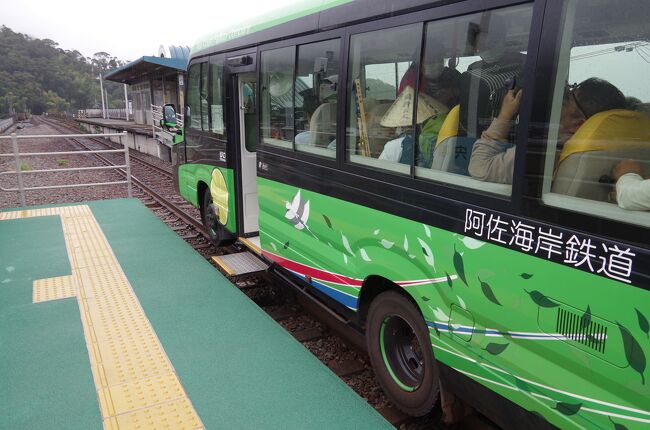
(345, 299)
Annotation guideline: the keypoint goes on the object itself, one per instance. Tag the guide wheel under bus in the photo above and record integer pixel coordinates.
(218, 234)
(400, 351)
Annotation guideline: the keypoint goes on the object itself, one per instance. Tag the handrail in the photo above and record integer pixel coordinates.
(37, 136)
(19, 173)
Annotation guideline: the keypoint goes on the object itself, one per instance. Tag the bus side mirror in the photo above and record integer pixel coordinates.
(169, 116)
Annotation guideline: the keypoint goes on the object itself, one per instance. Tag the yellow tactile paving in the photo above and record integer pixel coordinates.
(174, 415)
(61, 287)
(137, 387)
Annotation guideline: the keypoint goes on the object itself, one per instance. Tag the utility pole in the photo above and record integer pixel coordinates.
(101, 87)
(126, 103)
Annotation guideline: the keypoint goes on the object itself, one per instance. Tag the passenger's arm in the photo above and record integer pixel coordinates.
(492, 156)
(633, 192)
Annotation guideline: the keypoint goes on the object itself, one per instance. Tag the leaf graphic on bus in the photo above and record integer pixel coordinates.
(406, 243)
(449, 281)
(461, 302)
(568, 408)
(428, 255)
(426, 299)
(286, 245)
(616, 425)
(364, 255)
(633, 352)
(459, 266)
(346, 244)
(427, 231)
(522, 385)
(439, 314)
(376, 232)
(487, 292)
(643, 322)
(327, 221)
(585, 320)
(541, 299)
(496, 348)
(526, 275)
(387, 244)
(472, 243)
(275, 248)
(345, 258)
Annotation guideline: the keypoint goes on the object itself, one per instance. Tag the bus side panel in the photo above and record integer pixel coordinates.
(493, 313)
(229, 176)
(189, 177)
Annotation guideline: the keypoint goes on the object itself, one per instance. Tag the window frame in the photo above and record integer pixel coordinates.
(196, 62)
(533, 166)
(463, 195)
(206, 139)
(291, 153)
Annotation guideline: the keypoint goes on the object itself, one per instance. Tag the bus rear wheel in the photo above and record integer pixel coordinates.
(400, 352)
(219, 236)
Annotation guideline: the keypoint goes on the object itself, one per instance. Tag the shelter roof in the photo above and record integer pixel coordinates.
(143, 67)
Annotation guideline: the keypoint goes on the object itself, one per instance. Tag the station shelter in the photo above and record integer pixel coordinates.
(156, 80)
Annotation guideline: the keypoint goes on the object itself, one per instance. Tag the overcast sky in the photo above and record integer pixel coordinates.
(127, 29)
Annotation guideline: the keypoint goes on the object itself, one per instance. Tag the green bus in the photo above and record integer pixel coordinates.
(462, 181)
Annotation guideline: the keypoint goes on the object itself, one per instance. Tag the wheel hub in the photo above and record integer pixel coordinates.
(402, 353)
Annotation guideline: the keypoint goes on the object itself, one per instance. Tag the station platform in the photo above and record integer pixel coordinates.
(140, 136)
(130, 126)
(109, 319)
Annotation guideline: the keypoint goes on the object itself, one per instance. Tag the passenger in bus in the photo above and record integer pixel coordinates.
(483, 85)
(632, 189)
(309, 104)
(493, 155)
(439, 90)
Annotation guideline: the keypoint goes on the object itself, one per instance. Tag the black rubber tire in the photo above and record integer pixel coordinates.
(414, 387)
(219, 236)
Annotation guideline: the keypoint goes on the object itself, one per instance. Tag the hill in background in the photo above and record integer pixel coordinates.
(36, 76)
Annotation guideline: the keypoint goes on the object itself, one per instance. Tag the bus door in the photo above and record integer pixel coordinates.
(246, 90)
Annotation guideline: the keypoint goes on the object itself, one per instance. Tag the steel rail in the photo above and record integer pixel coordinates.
(109, 143)
(167, 204)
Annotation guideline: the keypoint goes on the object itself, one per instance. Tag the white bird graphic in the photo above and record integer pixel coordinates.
(298, 212)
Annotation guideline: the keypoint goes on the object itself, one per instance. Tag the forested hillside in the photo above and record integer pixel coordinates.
(37, 76)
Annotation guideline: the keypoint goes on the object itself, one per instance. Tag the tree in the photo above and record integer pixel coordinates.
(36, 75)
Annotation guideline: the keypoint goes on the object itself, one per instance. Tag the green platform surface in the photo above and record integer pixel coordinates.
(239, 368)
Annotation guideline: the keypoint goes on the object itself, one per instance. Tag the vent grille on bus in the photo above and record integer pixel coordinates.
(580, 328)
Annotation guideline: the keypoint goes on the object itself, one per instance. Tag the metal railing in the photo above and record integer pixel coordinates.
(113, 113)
(19, 172)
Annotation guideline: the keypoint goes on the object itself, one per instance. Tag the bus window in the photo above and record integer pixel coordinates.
(469, 64)
(315, 97)
(193, 113)
(381, 96)
(203, 95)
(598, 146)
(216, 97)
(277, 96)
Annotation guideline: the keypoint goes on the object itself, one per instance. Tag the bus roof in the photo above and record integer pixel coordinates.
(278, 16)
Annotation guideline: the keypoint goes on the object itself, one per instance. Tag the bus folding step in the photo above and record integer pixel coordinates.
(251, 243)
(241, 263)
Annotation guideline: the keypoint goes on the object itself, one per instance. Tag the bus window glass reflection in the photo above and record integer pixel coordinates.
(598, 146)
(277, 96)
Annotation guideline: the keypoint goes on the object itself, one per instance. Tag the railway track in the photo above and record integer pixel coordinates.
(326, 337)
